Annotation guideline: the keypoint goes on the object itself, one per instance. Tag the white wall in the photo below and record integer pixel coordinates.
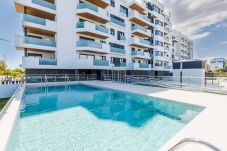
(193, 76)
(7, 90)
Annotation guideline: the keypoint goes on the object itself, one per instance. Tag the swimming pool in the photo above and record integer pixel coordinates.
(84, 118)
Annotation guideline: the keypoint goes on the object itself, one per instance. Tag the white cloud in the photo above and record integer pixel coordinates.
(223, 42)
(191, 16)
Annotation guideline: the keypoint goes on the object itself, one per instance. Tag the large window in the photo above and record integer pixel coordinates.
(158, 43)
(112, 3)
(157, 32)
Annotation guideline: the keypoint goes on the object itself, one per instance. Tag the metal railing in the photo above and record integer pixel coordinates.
(203, 84)
(49, 78)
(3, 111)
(193, 140)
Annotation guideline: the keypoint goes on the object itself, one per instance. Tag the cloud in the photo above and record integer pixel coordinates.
(192, 16)
(200, 36)
(223, 42)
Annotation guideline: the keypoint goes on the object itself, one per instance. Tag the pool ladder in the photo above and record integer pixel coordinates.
(193, 140)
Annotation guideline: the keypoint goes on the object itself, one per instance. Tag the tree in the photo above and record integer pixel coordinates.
(3, 67)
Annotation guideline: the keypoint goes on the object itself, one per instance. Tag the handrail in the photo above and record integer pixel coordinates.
(3, 111)
(67, 78)
(193, 140)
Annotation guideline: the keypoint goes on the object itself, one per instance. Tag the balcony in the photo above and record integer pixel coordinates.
(167, 41)
(34, 43)
(141, 31)
(141, 55)
(140, 66)
(167, 20)
(92, 46)
(97, 62)
(122, 38)
(93, 30)
(92, 12)
(117, 22)
(117, 50)
(138, 5)
(45, 4)
(100, 3)
(168, 67)
(35, 6)
(40, 63)
(166, 49)
(139, 19)
(92, 64)
(141, 43)
(166, 30)
(43, 25)
(47, 61)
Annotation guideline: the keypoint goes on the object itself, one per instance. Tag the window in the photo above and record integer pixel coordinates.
(35, 55)
(124, 10)
(158, 43)
(117, 20)
(117, 46)
(158, 22)
(112, 3)
(157, 32)
(120, 35)
(103, 57)
(157, 9)
(112, 31)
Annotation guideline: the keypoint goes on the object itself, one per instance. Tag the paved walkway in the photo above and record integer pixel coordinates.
(210, 125)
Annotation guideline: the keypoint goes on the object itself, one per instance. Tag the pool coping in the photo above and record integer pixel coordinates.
(195, 129)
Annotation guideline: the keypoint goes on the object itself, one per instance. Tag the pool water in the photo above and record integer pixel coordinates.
(83, 118)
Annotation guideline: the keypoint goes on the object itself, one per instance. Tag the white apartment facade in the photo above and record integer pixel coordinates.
(182, 46)
(87, 36)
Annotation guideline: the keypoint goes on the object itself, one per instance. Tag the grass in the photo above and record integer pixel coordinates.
(3, 102)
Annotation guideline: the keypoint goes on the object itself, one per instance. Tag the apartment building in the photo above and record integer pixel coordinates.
(182, 46)
(95, 36)
(217, 64)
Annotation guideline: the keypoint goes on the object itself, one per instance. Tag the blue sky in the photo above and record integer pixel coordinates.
(205, 21)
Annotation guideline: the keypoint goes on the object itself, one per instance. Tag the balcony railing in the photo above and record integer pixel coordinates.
(44, 4)
(135, 27)
(167, 49)
(166, 29)
(102, 29)
(143, 65)
(123, 11)
(121, 64)
(97, 27)
(137, 53)
(89, 43)
(123, 38)
(34, 19)
(80, 25)
(37, 41)
(47, 61)
(166, 39)
(145, 41)
(167, 67)
(87, 6)
(115, 21)
(100, 62)
(117, 50)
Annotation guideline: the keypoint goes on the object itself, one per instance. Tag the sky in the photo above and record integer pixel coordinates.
(205, 21)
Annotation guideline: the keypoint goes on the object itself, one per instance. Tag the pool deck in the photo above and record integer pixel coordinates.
(210, 125)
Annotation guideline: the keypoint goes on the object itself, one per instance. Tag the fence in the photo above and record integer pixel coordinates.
(206, 84)
(44, 78)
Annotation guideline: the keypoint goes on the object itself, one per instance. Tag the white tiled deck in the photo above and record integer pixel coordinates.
(210, 125)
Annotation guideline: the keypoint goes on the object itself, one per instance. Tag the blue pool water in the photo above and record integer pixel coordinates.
(82, 118)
